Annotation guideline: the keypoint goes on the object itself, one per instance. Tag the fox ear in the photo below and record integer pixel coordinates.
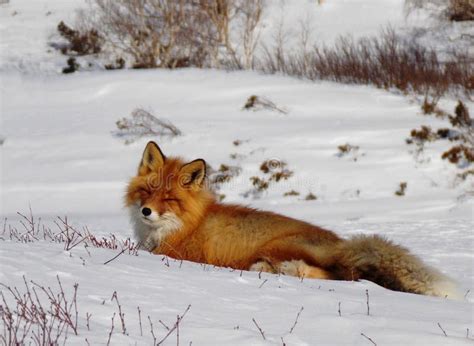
(193, 173)
(152, 159)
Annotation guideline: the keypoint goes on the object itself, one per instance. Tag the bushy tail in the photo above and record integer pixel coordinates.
(392, 266)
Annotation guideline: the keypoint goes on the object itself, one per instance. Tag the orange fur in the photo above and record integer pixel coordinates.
(244, 238)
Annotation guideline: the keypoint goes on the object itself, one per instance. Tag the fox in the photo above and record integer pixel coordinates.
(174, 213)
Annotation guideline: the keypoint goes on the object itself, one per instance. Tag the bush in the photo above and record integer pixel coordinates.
(80, 43)
(151, 33)
(461, 153)
(72, 66)
(386, 62)
(168, 33)
(460, 10)
(453, 10)
(143, 124)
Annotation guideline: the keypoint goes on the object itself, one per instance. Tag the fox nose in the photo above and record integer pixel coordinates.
(146, 211)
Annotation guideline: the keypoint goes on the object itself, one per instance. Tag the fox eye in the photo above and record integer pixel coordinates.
(143, 192)
(170, 200)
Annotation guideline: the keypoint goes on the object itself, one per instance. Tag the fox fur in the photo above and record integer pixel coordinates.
(173, 213)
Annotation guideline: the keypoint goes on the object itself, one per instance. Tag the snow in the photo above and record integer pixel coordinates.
(61, 158)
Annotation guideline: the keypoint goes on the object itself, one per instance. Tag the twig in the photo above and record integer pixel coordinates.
(152, 331)
(176, 325)
(121, 314)
(365, 336)
(177, 331)
(164, 325)
(111, 330)
(110, 260)
(260, 329)
(339, 309)
(368, 305)
(88, 317)
(296, 320)
(444, 332)
(140, 320)
(263, 283)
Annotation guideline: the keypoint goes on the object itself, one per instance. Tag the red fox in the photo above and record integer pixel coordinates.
(175, 214)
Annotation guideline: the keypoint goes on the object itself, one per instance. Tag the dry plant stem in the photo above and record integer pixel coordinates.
(252, 12)
(152, 331)
(259, 329)
(372, 341)
(444, 332)
(164, 325)
(62, 309)
(121, 314)
(140, 320)
(296, 320)
(116, 256)
(386, 61)
(176, 325)
(31, 318)
(368, 306)
(111, 330)
(88, 317)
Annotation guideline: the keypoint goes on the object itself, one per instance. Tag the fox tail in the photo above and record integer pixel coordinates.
(392, 266)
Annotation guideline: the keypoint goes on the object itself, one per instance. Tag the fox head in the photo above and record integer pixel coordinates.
(167, 195)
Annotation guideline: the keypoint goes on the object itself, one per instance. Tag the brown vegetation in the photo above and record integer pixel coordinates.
(80, 43)
(386, 61)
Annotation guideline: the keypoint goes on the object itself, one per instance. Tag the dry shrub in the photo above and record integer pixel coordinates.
(346, 149)
(453, 10)
(274, 171)
(259, 184)
(80, 42)
(459, 154)
(350, 151)
(386, 61)
(156, 33)
(118, 64)
(256, 103)
(141, 124)
(224, 174)
(251, 11)
(401, 189)
(425, 134)
(291, 193)
(176, 34)
(221, 13)
(311, 197)
(26, 317)
(72, 66)
(460, 10)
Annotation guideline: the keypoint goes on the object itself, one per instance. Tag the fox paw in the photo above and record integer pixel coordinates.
(262, 266)
(149, 244)
(289, 268)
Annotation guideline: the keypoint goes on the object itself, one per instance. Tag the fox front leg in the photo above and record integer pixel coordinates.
(152, 241)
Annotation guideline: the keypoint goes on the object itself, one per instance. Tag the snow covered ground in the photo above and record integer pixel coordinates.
(60, 157)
